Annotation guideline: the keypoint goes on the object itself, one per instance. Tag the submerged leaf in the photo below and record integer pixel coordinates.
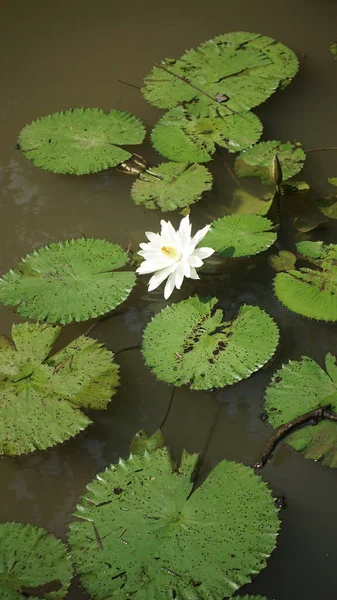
(232, 72)
(256, 161)
(183, 137)
(41, 397)
(244, 203)
(171, 186)
(34, 564)
(142, 442)
(310, 222)
(333, 181)
(143, 533)
(311, 293)
(293, 187)
(68, 281)
(283, 261)
(328, 205)
(202, 350)
(240, 235)
(80, 141)
(333, 49)
(297, 388)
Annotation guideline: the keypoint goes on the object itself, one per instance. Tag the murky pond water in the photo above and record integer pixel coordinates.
(67, 54)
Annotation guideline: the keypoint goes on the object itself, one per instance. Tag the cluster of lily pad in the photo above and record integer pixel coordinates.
(137, 516)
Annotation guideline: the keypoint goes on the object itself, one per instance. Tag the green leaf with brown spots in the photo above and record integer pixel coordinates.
(203, 350)
(297, 388)
(81, 141)
(143, 532)
(41, 398)
(33, 564)
(69, 281)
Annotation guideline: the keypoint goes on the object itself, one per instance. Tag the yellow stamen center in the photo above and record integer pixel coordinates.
(171, 252)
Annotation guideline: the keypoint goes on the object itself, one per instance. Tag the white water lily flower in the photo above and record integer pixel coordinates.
(173, 255)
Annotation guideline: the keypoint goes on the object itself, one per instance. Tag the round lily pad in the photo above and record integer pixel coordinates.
(80, 141)
(202, 350)
(171, 186)
(41, 398)
(34, 564)
(240, 235)
(68, 281)
(257, 161)
(297, 388)
(142, 532)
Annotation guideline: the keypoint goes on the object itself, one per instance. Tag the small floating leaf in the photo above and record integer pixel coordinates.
(143, 533)
(283, 261)
(240, 235)
(80, 141)
(142, 442)
(202, 350)
(297, 388)
(171, 186)
(293, 187)
(68, 281)
(244, 203)
(311, 293)
(41, 398)
(183, 137)
(256, 161)
(34, 564)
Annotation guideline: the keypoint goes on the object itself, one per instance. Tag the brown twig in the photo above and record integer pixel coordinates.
(316, 415)
(232, 174)
(321, 149)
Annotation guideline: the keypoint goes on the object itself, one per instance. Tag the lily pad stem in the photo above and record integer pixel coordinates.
(321, 149)
(316, 415)
(232, 174)
(168, 410)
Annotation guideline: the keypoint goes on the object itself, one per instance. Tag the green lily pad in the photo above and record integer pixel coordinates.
(80, 141)
(182, 137)
(240, 235)
(295, 187)
(143, 533)
(68, 281)
(297, 388)
(171, 186)
(308, 292)
(34, 564)
(328, 205)
(232, 72)
(245, 203)
(283, 261)
(256, 161)
(202, 350)
(41, 398)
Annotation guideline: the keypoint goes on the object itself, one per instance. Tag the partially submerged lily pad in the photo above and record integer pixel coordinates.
(68, 281)
(309, 222)
(143, 533)
(80, 141)
(34, 564)
(171, 186)
(182, 137)
(283, 261)
(328, 205)
(41, 398)
(240, 235)
(256, 161)
(297, 388)
(245, 203)
(199, 348)
(308, 292)
(232, 72)
(142, 442)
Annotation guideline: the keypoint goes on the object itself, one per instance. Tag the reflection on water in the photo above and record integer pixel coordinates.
(62, 55)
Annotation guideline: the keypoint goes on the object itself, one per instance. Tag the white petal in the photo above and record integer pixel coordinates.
(169, 235)
(200, 234)
(194, 261)
(179, 276)
(194, 274)
(185, 229)
(169, 287)
(153, 237)
(149, 266)
(159, 277)
(203, 252)
(186, 268)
